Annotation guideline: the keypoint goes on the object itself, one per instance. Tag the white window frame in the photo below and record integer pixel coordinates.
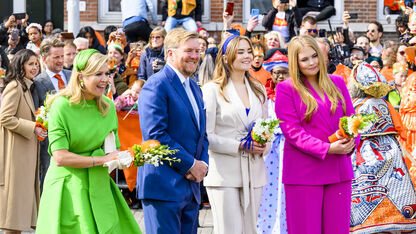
(382, 18)
(206, 11)
(106, 16)
(336, 19)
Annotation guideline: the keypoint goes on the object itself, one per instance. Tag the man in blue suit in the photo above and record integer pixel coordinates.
(171, 111)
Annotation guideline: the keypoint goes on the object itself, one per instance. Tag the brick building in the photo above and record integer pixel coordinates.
(100, 13)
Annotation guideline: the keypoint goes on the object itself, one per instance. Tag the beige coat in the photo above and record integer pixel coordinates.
(19, 178)
(227, 124)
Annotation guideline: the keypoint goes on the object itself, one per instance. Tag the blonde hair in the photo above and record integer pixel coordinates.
(268, 35)
(158, 30)
(324, 81)
(75, 92)
(177, 36)
(224, 66)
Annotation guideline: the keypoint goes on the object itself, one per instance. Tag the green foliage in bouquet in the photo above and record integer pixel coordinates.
(152, 155)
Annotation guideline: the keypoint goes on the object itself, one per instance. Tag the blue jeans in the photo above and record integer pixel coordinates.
(188, 23)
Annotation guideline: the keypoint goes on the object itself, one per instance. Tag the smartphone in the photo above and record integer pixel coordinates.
(234, 31)
(322, 33)
(353, 15)
(133, 46)
(119, 30)
(255, 12)
(14, 34)
(19, 16)
(230, 8)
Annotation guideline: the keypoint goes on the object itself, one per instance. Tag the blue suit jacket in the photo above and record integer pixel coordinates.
(166, 115)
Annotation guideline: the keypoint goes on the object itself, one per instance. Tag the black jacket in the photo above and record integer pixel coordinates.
(293, 18)
(196, 13)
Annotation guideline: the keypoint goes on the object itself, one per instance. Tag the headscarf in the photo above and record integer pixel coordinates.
(370, 80)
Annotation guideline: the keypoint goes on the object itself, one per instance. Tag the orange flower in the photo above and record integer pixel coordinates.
(149, 144)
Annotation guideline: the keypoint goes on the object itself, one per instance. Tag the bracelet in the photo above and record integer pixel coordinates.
(93, 162)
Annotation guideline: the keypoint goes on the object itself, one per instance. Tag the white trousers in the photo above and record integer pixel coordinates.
(228, 213)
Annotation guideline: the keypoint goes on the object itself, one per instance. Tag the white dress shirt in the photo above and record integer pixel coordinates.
(54, 80)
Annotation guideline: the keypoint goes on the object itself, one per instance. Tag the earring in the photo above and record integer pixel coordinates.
(81, 84)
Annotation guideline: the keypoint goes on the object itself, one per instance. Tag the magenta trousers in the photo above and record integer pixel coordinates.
(318, 209)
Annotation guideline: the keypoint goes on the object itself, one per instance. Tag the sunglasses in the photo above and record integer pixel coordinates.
(155, 37)
(372, 31)
(312, 30)
(402, 53)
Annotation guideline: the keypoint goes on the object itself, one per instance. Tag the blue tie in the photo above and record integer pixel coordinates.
(191, 98)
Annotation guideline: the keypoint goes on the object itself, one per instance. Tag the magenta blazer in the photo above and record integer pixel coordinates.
(306, 160)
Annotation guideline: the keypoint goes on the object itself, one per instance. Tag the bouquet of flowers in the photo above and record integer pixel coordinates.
(350, 127)
(152, 152)
(262, 131)
(42, 117)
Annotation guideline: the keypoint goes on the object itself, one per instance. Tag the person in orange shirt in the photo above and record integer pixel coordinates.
(257, 72)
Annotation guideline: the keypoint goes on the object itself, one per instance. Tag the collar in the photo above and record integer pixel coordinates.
(180, 75)
(51, 74)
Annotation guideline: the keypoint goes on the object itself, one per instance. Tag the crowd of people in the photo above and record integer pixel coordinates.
(174, 82)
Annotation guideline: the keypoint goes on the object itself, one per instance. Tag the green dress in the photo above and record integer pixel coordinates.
(82, 200)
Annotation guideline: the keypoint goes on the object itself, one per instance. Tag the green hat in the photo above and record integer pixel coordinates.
(82, 58)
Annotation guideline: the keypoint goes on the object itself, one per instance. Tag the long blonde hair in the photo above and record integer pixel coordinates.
(324, 81)
(75, 92)
(224, 66)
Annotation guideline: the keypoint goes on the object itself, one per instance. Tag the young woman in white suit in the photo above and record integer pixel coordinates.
(236, 175)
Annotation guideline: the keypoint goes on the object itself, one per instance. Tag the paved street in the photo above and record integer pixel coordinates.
(205, 220)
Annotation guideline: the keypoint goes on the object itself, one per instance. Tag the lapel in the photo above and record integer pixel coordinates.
(28, 97)
(239, 106)
(324, 108)
(198, 98)
(176, 83)
(46, 81)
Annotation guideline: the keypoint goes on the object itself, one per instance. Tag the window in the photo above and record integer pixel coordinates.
(109, 11)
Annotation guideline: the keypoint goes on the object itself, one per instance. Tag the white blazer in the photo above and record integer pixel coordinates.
(227, 124)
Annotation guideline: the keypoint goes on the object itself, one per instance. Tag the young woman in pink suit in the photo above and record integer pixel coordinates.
(317, 174)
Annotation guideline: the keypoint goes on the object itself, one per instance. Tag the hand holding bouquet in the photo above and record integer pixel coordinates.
(152, 152)
(262, 131)
(350, 127)
(42, 117)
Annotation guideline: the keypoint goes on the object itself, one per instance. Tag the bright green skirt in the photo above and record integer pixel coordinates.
(83, 200)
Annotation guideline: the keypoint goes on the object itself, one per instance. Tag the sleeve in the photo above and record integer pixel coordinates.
(268, 19)
(349, 108)
(291, 125)
(165, 10)
(10, 100)
(57, 132)
(347, 40)
(218, 144)
(152, 10)
(153, 112)
(198, 11)
(141, 72)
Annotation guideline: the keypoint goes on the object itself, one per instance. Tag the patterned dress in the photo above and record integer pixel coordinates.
(382, 184)
(272, 212)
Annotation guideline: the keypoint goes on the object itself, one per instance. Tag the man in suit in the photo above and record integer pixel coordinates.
(52, 79)
(171, 111)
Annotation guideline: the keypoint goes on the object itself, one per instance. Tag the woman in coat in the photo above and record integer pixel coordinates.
(152, 59)
(317, 174)
(19, 175)
(236, 176)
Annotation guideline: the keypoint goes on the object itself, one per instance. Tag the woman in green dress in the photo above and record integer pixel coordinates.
(79, 196)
